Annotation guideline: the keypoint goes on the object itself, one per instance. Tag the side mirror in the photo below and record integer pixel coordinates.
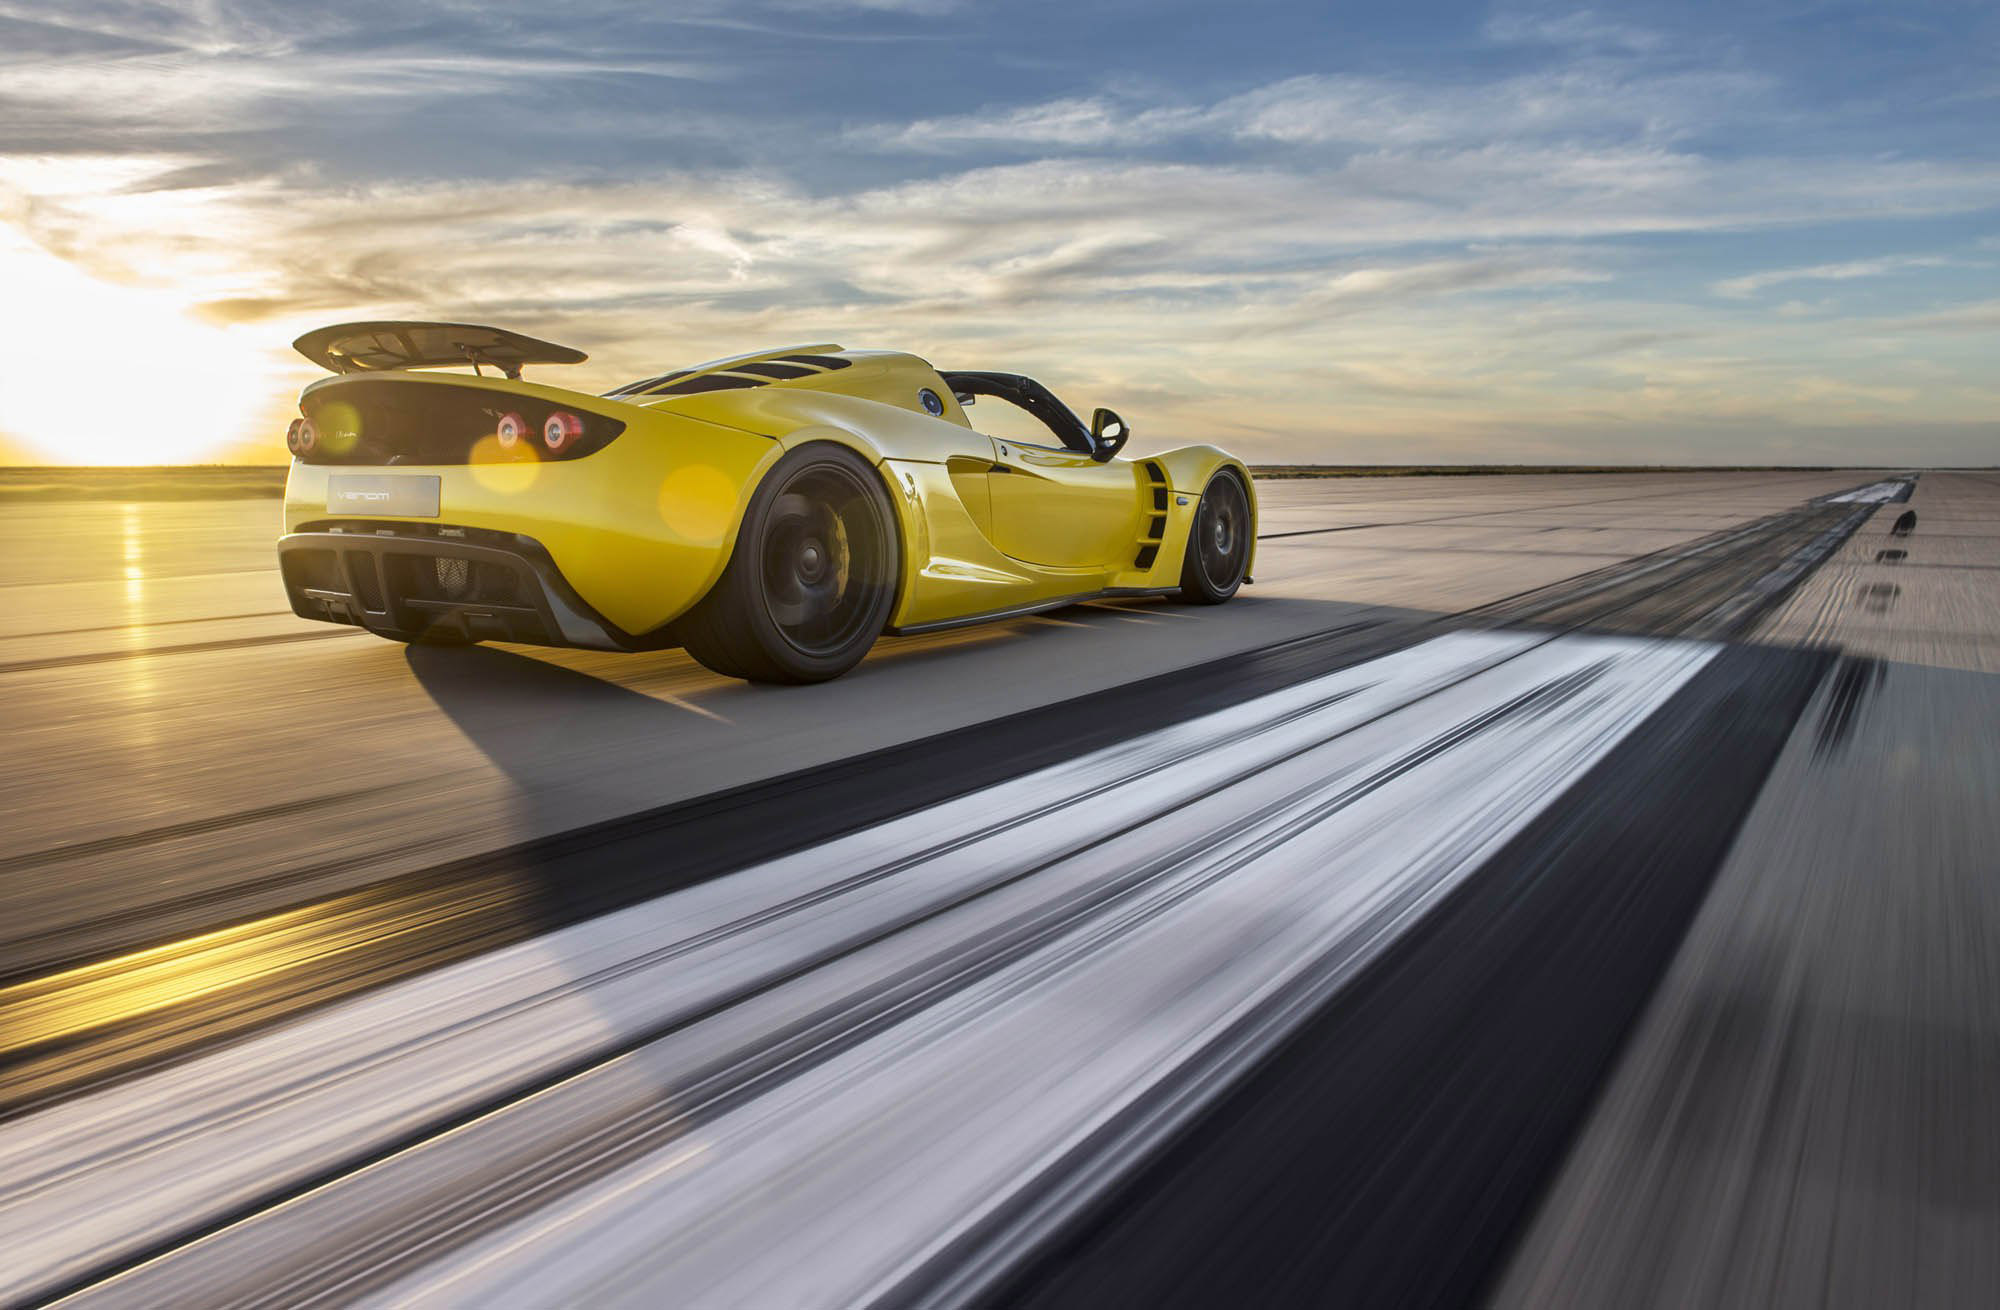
(1108, 433)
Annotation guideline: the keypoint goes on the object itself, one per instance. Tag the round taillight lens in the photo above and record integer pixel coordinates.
(292, 435)
(511, 429)
(562, 430)
(308, 436)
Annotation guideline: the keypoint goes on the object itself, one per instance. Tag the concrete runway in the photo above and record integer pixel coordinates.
(228, 829)
(1925, 598)
(182, 740)
(1805, 1115)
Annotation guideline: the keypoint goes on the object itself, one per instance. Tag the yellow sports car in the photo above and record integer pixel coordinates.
(772, 513)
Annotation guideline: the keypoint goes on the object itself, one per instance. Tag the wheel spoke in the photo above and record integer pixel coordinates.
(793, 506)
(825, 542)
(1222, 537)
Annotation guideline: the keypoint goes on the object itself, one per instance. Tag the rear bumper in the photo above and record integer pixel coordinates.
(414, 580)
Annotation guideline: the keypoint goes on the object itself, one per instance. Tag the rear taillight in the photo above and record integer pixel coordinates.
(306, 436)
(511, 429)
(292, 435)
(562, 429)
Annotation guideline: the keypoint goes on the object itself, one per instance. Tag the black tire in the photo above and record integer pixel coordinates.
(812, 579)
(1218, 548)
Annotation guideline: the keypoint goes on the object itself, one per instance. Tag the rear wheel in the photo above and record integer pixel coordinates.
(812, 579)
(1218, 549)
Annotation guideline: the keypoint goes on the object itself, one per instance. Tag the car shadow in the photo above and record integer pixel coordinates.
(581, 751)
(548, 729)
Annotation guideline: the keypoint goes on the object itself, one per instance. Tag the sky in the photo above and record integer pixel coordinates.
(1687, 233)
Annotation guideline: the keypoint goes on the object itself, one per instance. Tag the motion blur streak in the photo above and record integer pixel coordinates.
(64, 1004)
(263, 966)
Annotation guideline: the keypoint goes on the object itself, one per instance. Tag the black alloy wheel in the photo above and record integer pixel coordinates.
(1218, 549)
(813, 577)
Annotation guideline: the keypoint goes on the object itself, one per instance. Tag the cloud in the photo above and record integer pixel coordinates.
(1377, 290)
(1028, 128)
(1281, 250)
(924, 8)
(48, 38)
(1576, 28)
(1750, 284)
(1594, 101)
(1978, 316)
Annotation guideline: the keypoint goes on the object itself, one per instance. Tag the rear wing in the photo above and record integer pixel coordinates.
(376, 347)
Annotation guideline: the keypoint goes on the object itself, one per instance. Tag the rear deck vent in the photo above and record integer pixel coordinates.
(708, 382)
(781, 372)
(647, 384)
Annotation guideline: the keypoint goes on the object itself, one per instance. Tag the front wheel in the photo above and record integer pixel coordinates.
(1218, 549)
(812, 579)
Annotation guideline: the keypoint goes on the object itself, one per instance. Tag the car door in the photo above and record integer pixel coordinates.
(1062, 509)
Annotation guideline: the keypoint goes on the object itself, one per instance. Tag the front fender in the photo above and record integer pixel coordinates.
(1188, 470)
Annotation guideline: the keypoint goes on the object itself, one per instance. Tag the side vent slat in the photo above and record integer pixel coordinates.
(1156, 525)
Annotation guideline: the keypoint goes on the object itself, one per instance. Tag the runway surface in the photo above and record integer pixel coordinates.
(169, 711)
(1310, 946)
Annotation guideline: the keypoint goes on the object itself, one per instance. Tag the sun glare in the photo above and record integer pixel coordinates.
(96, 373)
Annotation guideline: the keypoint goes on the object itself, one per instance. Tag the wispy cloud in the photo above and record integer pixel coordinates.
(1978, 316)
(1749, 284)
(1594, 101)
(1585, 28)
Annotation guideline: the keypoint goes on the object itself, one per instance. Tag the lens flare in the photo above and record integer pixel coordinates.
(338, 427)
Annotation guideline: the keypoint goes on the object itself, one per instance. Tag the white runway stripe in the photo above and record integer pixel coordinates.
(1157, 891)
(1874, 494)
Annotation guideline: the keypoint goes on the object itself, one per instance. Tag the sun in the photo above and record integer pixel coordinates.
(92, 372)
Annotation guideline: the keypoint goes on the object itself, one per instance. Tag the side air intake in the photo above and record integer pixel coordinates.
(1156, 523)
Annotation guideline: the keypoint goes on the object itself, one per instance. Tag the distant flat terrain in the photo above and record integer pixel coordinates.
(144, 483)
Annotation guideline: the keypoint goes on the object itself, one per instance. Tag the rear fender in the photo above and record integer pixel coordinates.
(913, 535)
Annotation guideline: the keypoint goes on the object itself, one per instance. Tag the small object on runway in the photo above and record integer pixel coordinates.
(1906, 523)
